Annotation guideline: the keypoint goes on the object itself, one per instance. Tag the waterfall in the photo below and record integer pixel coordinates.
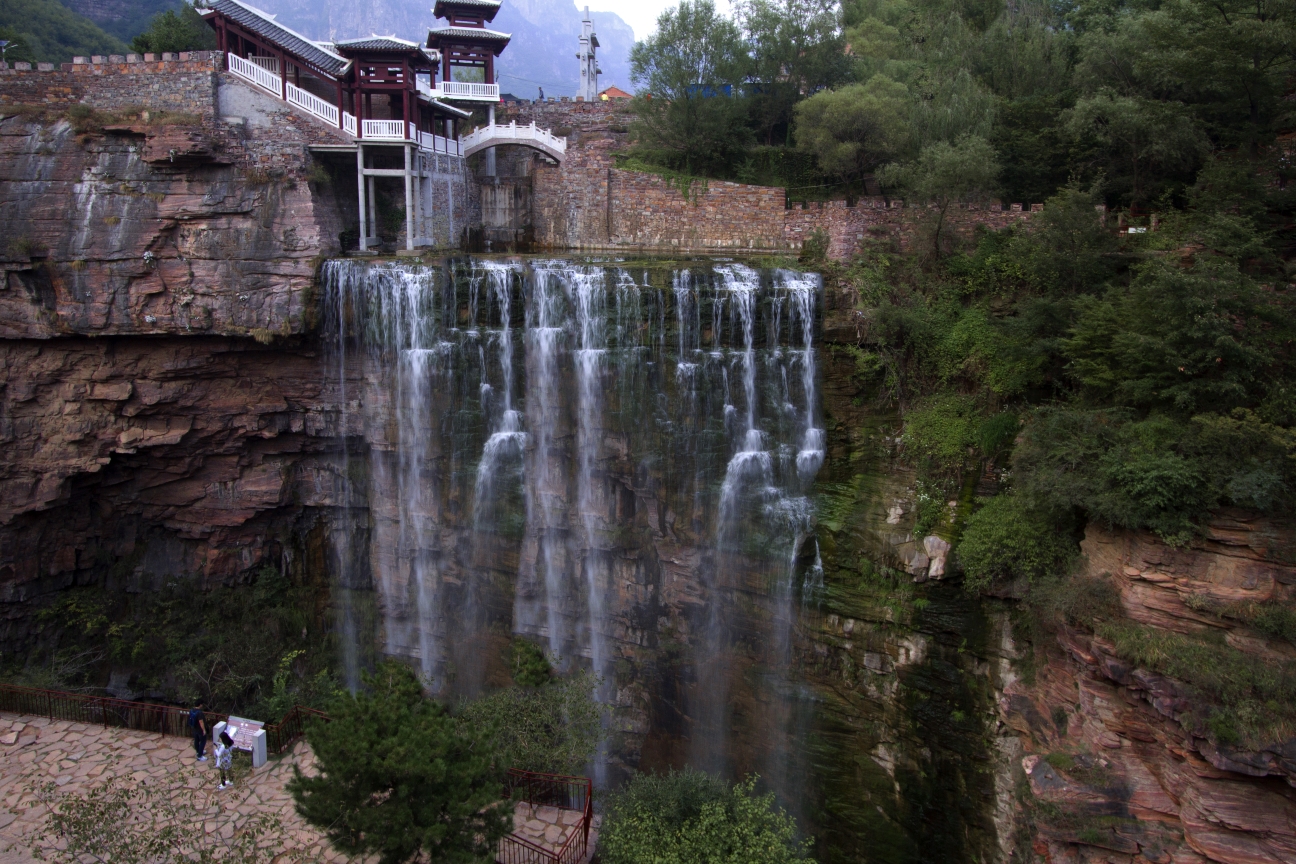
(542, 456)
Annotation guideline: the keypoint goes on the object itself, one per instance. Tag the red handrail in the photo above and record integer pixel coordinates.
(557, 790)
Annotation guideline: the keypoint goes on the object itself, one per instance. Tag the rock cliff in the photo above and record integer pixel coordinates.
(1120, 765)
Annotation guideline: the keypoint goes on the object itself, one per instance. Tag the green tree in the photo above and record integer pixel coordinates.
(1009, 539)
(53, 33)
(402, 779)
(1142, 139)
(854, 129)
(693, 818)
(554, 728)
(690, 73)
(797, 47)
(176, 30)
(945, 174)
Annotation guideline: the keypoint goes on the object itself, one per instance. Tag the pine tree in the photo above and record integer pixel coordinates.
(400, 778)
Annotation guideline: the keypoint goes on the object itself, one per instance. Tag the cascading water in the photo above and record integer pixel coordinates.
(615, 486)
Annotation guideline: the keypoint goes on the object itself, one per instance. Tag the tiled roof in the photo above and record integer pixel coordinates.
(488, 8)
(468, 34)
(378, 43)
(264, 25)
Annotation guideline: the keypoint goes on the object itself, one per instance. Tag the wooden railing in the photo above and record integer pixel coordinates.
(142, 716)
(385, 129)
(552, 790)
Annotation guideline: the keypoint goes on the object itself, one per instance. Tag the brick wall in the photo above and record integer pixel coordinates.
(588, 203)
(117, 81)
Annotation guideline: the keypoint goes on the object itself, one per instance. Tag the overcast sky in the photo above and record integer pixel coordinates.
(639, 14)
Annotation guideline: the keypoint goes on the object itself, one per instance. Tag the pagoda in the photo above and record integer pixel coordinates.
(465, 43)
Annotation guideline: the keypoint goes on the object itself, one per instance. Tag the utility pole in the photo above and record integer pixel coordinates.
(589, 70)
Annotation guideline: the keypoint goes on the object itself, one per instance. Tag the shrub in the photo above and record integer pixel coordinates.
(554, 729)
(399, 778)
(689, 817)
(938, 434)
(1008, 539)
(529, 664)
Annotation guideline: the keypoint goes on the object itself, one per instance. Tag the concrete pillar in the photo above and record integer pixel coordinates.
(490, 151)
(373, 209)
(409, 198)
(360, 179)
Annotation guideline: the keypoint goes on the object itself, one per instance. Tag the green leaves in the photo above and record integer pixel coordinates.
(1010, 539)
(693, 818)
(1205, 338)
(176, 30)
(399, 777)
(854, 129)
(554, 728)
(689, 70)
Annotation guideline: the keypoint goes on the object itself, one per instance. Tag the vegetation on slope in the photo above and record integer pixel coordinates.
(46, 31)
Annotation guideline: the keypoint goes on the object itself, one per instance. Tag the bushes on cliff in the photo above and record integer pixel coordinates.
(553, 728)
(1009, 539)
(689, 817)
(253, 648)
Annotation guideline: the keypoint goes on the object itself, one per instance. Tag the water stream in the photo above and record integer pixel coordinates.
(622, 463)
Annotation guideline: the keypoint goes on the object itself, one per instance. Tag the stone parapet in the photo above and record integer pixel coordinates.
(183, 82)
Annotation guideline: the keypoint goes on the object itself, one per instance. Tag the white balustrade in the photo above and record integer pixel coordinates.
(255, 73)
(391, 130)
(513, 132)
(312, 103)
(466, 90)
(348, 123)
(270, 64)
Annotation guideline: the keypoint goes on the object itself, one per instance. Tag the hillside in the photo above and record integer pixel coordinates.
(50, 32)
(121, 18)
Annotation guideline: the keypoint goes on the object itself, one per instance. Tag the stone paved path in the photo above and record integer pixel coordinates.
(77, 756)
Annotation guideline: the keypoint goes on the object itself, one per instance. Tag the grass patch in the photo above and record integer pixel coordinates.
(1251, 700)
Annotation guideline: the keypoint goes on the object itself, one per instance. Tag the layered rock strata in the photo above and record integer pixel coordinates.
(1134, 774)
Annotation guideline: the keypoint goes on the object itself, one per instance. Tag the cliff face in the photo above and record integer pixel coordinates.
(148, 264)
(1142, 778)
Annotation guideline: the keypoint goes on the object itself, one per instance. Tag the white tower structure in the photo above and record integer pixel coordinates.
(589, 70)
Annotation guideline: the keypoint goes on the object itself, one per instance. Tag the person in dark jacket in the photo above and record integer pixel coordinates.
(198, 726)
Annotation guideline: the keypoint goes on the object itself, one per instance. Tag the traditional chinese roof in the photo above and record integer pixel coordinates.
(494, 38)
(484, 8)
(377, 43)
(263, 24)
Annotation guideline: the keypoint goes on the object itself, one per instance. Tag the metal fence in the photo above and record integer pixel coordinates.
(143, 716)
(553, 790)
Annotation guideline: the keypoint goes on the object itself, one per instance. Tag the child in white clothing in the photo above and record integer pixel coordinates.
(224, 753)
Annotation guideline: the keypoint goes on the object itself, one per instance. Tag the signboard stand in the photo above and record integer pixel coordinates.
(248, 735)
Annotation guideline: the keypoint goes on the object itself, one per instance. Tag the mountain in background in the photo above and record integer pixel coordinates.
(49, 32)
(542, 53)
(124, 19)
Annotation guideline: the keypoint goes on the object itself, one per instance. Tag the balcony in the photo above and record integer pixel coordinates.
(463, 91)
